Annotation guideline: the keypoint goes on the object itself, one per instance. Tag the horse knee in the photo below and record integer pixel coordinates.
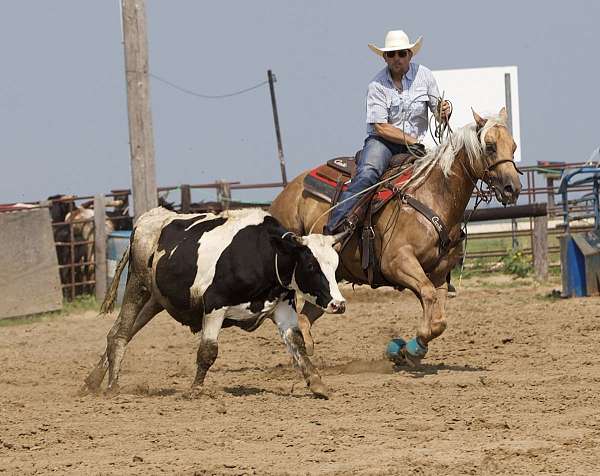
(428, 295)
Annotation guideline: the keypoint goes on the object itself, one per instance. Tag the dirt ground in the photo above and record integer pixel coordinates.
(513, 387)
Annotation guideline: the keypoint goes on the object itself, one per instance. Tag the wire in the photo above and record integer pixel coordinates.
(206, 96)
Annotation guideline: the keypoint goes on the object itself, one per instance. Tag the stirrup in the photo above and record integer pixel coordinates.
(346, 226)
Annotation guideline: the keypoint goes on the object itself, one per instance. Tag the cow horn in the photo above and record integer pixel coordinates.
(290, 235)
(338, 237)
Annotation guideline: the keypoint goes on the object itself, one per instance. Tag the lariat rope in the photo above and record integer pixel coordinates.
(277, 266)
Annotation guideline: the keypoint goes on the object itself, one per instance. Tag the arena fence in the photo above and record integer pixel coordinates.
(533, 226)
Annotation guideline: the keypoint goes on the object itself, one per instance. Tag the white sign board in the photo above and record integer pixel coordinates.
(486, 90)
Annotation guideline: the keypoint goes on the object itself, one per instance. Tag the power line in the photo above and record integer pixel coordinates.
(206, 96)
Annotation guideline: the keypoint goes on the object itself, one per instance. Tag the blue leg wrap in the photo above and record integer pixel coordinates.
(415, 348)
(394, 349)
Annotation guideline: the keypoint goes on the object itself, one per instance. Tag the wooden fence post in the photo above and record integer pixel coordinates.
(100, 247)
(186, 198)
(540, 247)
(223, 194)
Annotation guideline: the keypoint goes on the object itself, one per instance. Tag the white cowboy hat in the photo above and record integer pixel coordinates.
(397, 40)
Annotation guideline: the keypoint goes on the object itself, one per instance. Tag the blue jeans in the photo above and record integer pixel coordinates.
(374, 160)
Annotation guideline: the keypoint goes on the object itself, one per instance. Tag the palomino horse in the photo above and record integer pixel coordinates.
(406, 242)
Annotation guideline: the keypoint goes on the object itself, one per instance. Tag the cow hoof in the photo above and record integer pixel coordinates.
(194, 393)
(93, 381)
(112, 390)
(87, 390)
(318, 388)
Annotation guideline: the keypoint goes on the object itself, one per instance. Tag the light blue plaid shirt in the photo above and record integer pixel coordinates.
(406, 109)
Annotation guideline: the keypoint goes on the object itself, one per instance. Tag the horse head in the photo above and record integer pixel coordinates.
(499, 170)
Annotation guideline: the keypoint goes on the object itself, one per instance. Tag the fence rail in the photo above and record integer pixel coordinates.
(79, 265)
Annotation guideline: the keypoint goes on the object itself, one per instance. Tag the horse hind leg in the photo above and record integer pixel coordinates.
(438, 316)
(309, 314)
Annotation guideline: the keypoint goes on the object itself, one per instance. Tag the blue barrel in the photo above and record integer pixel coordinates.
(115, 247)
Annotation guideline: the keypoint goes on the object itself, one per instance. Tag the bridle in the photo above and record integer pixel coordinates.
(485, 176)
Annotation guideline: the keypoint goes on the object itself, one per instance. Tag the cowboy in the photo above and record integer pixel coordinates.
(398, 99)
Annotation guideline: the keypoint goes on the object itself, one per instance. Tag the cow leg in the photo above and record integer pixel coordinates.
(95, 377)
(135, 299)
(286, 319)
(208, 349)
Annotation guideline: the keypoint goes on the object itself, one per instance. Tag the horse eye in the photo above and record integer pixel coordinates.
(490, 148)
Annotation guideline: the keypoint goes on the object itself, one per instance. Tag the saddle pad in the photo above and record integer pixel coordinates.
(322, 181)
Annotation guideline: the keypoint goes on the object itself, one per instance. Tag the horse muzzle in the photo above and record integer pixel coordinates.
(508, 192)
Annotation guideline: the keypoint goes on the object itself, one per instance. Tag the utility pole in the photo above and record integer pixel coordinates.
(141, 137)
(272, 80)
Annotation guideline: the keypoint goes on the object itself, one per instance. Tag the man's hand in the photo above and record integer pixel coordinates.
(445, 110)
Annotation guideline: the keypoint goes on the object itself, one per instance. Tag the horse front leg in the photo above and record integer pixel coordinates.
(406, 271)
(306, 317)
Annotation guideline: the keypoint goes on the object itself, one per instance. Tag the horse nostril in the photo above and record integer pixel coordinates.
(342, 308)
(508, 189)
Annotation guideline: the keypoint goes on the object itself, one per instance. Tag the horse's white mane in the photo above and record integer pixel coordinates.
(445, 153)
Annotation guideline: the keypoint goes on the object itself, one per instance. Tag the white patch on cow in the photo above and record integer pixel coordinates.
(242, 312)
(214, 242)
(211, 325)
(285, 317)
(321, 247)
(200, 220)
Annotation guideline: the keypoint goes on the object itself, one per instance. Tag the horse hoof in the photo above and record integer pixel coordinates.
(410, 360)
(394, 350)
(318, 388)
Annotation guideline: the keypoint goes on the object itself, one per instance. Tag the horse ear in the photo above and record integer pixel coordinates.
(503, 115)
(480, 121)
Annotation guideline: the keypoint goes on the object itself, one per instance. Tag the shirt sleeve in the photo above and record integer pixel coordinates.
(377, 111)
(434, 94)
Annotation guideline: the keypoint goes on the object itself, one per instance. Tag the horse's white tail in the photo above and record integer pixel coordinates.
(109, 300)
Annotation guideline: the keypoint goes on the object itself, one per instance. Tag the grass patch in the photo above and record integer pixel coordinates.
(86, 302)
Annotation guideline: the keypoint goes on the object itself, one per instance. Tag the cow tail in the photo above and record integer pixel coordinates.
(109, 300)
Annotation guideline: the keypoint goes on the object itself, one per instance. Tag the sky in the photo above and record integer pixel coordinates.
(63, 111)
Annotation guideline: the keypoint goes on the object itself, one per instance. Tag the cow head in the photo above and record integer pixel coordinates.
(314, 273)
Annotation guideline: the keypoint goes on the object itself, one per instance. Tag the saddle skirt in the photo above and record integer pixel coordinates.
(322, 181)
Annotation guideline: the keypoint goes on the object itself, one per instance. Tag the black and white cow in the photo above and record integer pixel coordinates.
(211, 271)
